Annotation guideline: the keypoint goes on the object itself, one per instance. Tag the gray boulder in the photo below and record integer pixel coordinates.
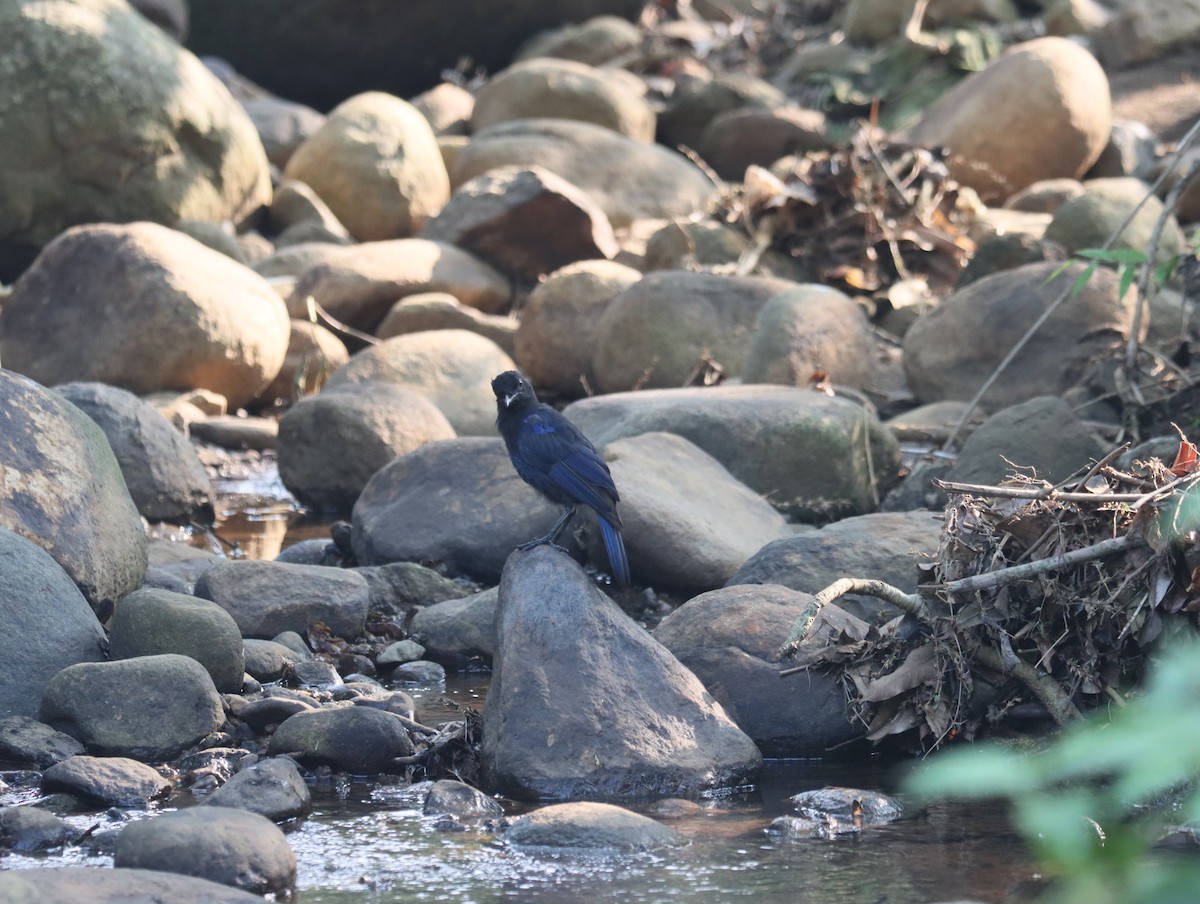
(630, 180)
(331, 444)
(590, 826)
(451, 798)
(728, 638)
(267, 660)
(451, 368)
(26, 740)
(688, 523)
(803, 451)
(584, 703)
(233, 847)
(49, 624)
(357, 739)
(104, 885)
(114, 780)
(1088, 220)
(27, 829)
(161, 311)
(149, 622)
(659, 332)
(456, 631)
(457, 502)
(397, 587)
(700, 101)
(272, 788)
(151, 708)
(524, 221)
(442, 311)
(313, 353)
(949, 352)
(165, 140)
(266, 598)
(162, 472)
(64, 491)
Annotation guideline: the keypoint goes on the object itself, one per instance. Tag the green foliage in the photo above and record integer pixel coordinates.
(1094, 801)
(1126, 261)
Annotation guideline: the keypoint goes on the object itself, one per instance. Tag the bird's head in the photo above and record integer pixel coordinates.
(510, 387)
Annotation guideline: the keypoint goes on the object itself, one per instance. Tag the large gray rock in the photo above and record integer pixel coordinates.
(457, 631)
(952, 350)
(272, 788)
(699, 101)
(148, 622)
(688, 523)
(803, 451)
(342, 49)
(107, 119)
(151, 708)
(114, 780)
(63, 490)
(233, 847)
(376, 163)
(729, 638)
(162, 472)
(630, 180)
(104, 885)
(357, 739)
(584, 703)
(590, 826)
(26, 740)
(524, 221)
(313, 353)
(266, 598)
(1041, 111)
(331, 444)
(565, 89)
(48, 624)
(451, 368)
(1089, 220)
(442, 311)
(359, 284)
(457, 502)
(398, 587)
(659, 332)
(28, 828)
(153, 308)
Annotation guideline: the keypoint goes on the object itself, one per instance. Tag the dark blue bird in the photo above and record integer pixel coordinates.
(556, 459)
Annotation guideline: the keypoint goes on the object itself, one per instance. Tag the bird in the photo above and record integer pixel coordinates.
(554, 457)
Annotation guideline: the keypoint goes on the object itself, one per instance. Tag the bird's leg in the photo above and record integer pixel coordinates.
(551, 538)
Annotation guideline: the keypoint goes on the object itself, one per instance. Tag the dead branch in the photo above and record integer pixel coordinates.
(992, 580)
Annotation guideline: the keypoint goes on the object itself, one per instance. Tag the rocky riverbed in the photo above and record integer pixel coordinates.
(783, 263)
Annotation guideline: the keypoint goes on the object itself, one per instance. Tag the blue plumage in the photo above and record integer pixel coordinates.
(551, 455)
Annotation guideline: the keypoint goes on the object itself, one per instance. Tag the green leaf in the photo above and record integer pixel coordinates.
(1164, 270)
(986, 770)
(1058, 271)
(1083, 278)
(1128, 275)
(1062, 827)
(1124, 256)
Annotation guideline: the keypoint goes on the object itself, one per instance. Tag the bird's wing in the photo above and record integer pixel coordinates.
(584, 475)
(553, 446)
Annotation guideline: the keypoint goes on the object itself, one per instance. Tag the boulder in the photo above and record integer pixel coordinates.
(1090, 219)
(809, 331)
(630, 180)
(442, 311)
(64, 491)
(664, 328)
(313, 353)
(456, 502)
(1147, 30)
(124, 125)
(565, 89)
(557, 332)
(448, 107)
(154, 309)
(49, 624)
(113, 780)
(1042, 437)
(451, 368)
(358, 284)
(805, 452)
(458, 631)
(524, 221)
(162, 472)
(297, 215)
(271, 787)
(266, 598)
(590, 826)
(1041, 111)
(376, 163)
(232, 847)
(949, 352)
(331, 444)
(450, 798)
(692, 108)
(754, 136)
(26, 740)
(27, 829)
(151, 708)
(595, 41)
(356, 739)
(584, 703)
(148, 622)
(282, 125)
(105, 885)
(689, 524)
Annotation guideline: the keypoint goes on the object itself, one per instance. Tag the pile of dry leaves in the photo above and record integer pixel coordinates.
(1039, 593)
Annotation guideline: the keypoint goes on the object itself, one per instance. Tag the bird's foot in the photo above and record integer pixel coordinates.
(541, 541)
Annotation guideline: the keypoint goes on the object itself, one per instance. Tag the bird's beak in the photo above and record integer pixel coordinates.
(509, 399)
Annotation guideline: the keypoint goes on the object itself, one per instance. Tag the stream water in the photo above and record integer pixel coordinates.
(368, 843)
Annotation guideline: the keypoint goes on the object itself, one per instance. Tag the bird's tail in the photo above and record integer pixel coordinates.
(615, 547)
